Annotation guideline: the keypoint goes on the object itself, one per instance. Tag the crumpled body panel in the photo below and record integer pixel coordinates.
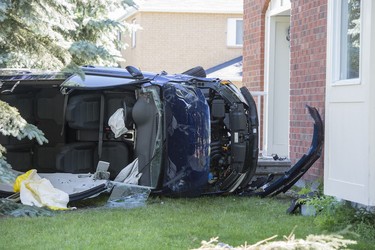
(187, 139)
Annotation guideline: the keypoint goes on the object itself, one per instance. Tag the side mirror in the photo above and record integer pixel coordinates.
(136, 73)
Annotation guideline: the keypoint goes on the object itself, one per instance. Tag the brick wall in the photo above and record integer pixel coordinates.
(307, 75)
(253, 50)
(307, 65)
(176, 42)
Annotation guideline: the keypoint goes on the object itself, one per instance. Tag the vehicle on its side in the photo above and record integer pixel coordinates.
(191, 135)
(186, 134)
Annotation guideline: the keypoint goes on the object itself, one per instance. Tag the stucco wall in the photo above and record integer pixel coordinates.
(175, 42)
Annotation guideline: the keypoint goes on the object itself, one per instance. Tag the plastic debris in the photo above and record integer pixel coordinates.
(102, 171)
(130, 174)
(128, 196)
(117, 123)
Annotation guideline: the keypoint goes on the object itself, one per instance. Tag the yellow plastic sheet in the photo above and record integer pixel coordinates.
(37, 191)
(21, 178)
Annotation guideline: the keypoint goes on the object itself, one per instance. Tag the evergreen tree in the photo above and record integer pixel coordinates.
(31, 33)
(54, 35)
(51, 34)
(12, 124)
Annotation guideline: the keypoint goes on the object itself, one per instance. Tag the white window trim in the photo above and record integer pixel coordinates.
(134, 34)
(231, 32)
(334, 49)
(279, 7)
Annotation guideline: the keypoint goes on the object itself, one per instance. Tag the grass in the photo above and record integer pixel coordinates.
(162, 224)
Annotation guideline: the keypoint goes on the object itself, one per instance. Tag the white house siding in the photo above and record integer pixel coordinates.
(350, 114)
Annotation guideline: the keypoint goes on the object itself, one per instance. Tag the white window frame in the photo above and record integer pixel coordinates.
(134, 34)
(231, 32)
(119, 36)
(336, 48)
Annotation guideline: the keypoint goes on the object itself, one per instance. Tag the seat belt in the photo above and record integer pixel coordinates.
(101, 121)
(125, 111)
(66, 97)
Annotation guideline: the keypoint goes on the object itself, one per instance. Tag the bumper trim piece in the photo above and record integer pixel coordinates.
(290, 177)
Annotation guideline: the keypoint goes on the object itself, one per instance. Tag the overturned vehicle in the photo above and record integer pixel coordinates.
(178, 135)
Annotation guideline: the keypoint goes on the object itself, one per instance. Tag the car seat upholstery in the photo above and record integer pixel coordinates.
(48, 115)
(76, 158)
(145, 117)
(83, 116)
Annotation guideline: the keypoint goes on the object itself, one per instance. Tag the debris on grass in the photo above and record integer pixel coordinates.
(128, 196)
(328, 242)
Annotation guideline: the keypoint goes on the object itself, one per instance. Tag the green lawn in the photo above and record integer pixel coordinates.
(162, 224)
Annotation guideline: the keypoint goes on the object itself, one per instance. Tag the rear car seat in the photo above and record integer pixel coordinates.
(83, 116)
(48, 114)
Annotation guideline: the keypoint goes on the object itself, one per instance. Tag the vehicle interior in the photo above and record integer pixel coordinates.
(76, 126)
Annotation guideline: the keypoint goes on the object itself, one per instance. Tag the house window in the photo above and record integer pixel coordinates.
(235, 32)
(350, 33)
(134, 33)
(118, 42)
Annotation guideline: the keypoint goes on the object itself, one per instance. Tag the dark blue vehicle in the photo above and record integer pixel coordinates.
(191, 135)
(182, 135)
